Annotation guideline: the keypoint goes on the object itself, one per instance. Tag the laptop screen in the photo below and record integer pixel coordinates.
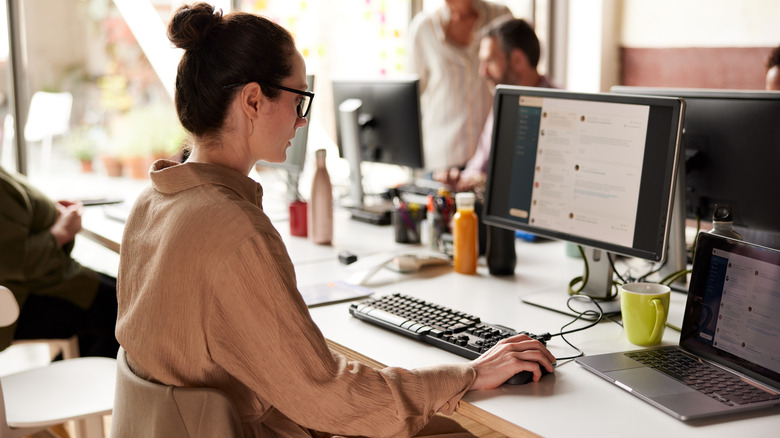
(733, 310)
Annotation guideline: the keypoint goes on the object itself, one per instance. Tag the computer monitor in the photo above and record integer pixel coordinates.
(377, 120)
(296, 154)
(731, 140)
(593, 169)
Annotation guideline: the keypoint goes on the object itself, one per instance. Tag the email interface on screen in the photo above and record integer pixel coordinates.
(595, 169)
(586, 162)
(742, 298)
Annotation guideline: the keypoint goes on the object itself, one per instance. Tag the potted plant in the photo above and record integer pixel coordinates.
(146, 133)
(82, 144)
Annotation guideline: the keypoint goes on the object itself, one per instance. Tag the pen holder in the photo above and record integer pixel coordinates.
(407, 222)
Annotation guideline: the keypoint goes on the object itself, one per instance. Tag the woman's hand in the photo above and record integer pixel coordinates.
(509, 357)
(68, 222)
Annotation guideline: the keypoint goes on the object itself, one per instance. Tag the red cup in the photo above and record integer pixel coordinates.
(298, 221)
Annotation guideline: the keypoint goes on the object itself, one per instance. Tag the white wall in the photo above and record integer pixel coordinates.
(592, 45)
(700, 23)
(598, 28)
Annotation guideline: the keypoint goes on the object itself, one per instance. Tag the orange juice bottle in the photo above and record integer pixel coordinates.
(464, 234)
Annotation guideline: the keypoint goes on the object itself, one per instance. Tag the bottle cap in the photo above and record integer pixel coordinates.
(464, 200)
(722, 213)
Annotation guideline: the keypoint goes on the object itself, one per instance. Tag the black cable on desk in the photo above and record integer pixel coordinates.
(598, 314)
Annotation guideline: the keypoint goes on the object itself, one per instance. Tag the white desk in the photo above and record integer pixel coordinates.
(571, 402)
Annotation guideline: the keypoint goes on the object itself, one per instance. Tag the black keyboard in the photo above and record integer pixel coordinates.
(710, 380)
(451, 330)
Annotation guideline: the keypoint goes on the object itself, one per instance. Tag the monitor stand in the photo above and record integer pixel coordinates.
(599, 286)
(350, 137)
(676, 259)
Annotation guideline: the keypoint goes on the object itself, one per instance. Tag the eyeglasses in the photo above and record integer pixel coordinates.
(304, 103)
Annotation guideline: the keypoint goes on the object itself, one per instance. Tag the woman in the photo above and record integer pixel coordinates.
(57, 297)
(207, 293)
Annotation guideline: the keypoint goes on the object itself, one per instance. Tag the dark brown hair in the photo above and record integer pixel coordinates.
(516, 34)
(222, 50)
(774, 58)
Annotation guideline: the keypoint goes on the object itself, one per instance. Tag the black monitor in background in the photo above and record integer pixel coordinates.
(377, 120)
(597, 170)
(731, 140)
(296, 154)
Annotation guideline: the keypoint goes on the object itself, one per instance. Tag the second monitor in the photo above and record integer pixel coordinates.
(377, 120)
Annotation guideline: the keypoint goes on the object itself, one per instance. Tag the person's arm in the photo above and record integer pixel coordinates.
(29, 249)
(260, 331)
(68, 222)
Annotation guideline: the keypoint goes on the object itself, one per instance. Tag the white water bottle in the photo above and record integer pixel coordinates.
(321, 204)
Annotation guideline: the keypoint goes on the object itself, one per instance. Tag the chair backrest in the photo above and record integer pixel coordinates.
(49, 115)
(9, 308)
(144, 408)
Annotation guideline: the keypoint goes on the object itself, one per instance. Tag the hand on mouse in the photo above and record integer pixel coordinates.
(509, 357)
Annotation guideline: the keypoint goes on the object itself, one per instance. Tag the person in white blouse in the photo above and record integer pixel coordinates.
(455, 99)
(509, 54)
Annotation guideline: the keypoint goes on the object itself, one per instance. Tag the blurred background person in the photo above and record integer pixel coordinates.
(509, 53)
(57, 297)
(773, 70)
(455, 100)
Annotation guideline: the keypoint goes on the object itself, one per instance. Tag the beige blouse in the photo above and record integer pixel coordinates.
(207, 297)
(454, 98)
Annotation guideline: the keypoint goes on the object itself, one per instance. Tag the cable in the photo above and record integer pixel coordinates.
(583, 278)
(652, 271)
(674, 276)
(598, 314)
(612, 264)
(586, 275)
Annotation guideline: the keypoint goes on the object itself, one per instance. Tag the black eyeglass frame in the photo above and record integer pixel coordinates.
(308, 94)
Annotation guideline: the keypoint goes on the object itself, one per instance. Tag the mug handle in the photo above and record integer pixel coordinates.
(660, 317)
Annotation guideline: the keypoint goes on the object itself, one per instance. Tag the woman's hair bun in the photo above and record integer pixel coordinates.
(191, 25)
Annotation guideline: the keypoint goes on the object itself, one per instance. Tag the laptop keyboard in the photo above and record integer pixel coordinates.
(710, 380)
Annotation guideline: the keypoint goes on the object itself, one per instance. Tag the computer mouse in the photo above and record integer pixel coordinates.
(524, 377)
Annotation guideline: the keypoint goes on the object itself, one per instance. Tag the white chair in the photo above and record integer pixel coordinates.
(68, 347)
(148, 409)
(49, 115)
(80, 389)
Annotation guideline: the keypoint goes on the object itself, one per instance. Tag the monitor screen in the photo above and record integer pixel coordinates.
(388, 119)
(593, 169)
(731, 140)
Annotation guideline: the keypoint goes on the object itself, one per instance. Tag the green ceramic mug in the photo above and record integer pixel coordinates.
(645, 308)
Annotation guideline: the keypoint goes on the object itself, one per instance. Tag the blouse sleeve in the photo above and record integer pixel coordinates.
(262, 333)
(418, 64)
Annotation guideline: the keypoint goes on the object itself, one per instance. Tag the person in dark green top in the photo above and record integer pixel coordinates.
(57, 296)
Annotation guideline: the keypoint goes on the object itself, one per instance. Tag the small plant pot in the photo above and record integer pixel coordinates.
(112, 165)
(87, 166)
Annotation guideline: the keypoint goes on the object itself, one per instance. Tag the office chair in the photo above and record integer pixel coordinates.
(144, 408)
(80, 389)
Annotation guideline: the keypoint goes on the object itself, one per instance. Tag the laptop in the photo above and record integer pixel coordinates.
(731, 325)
